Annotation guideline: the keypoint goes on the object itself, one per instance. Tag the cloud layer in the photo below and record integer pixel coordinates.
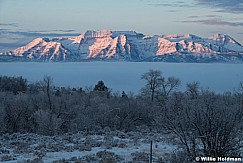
(170, 4)
(10, 40)
(9, 24)
(229, 6)
(215, 21)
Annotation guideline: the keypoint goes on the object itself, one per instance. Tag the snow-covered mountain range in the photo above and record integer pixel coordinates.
(130, 46)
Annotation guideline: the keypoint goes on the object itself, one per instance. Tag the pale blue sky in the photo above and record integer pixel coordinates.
(23, 20)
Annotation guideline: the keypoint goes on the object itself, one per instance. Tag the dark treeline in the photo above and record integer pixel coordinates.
(205, 123)
(13, 84)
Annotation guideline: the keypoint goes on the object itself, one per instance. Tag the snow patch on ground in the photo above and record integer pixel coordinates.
(113, 145)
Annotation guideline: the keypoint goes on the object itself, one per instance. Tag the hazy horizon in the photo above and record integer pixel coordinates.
(127, 75)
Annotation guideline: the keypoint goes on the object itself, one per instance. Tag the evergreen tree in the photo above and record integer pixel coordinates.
(124, 95)
(100, 86)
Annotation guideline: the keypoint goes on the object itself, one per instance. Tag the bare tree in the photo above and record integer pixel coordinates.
(239, 96)
(47, 87)
(193, 89)
(240, 91)
(169, 85)
(153, 80)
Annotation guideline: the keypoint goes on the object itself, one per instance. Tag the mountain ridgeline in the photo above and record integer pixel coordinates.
(108, 45)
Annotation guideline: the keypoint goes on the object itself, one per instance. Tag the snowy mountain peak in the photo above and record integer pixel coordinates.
(97, 34)
(180, 37)
(19, 51)
(222, 38)
(41, 49)
(219, 36)
(126, 45)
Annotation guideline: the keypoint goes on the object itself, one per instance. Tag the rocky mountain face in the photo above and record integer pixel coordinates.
(130, 46)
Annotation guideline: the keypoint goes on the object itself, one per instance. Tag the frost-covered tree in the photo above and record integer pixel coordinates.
(206, 126)
(13, 84)
(17, 113)
(47, 122)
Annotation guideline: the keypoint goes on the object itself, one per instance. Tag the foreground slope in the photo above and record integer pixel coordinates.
(130, 46)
